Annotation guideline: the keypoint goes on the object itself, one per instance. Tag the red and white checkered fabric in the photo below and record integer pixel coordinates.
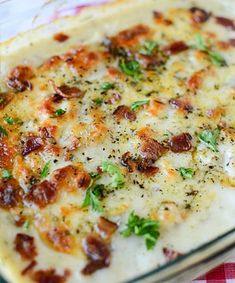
(224, 273)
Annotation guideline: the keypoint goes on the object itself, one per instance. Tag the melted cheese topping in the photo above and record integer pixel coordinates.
(186, 94)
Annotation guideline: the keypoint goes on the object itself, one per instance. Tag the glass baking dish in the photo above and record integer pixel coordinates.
(15, 19)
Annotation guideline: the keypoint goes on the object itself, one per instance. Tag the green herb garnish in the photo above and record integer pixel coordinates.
(186, 173)
(210, 138)
(94, 175)
(26, 224)
(59, 112)
(130, 68)
(45, 170)
(135, 105)
(3, 132)
(148, 47)
(11, 121)
(113, 170)
(93, 196)
(6, 174)
(105, 86)
(145, 227)
(215, 57)
(98, 101)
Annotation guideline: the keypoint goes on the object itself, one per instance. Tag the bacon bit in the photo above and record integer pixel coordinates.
(181, 104)
(60, 239)
(195, 81)
(160, 19)
(115, 97)
(149, 62)
(10, 193)
(81, 60)
(155, 107)
(216, 113)
(18, 78)
(25, 246)
(106, 228)
(5, 99)
(20, 220)
(71, 178)
(145, 167)
(66, 91)
(50, 276)
(130, 37)
(181, 143)
(60, 37)
(223, 45)
(113, 72)
(232, 42)
(199, 15)
(151, 149)
(98, 254)
(227, 23)
(175, 48)
(170, 254)
(124, 112)
(48, 132)
(127, 161)
(51, 62)
(29, 267)
(6, 154)
(42, 194)
(31, 144)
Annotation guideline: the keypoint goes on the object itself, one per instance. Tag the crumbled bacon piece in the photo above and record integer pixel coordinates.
(19, 78)
(227, 23)
(124, 112)
(48, 131)
(25, 246)
(70, 177)
(181, 143)
(151, 149)
(175, 48)
(170, 254)
(66, 91)
(151, 61)
(5, 99)
(60, 37)
(131, 36)
(31, 144)
(199, 15)
(195, 81)
(232, 42)
(60, 239)
(6, 153)
(115, 97)
(128, 162)
(106, 228)
(49, 276)
(160, 19)
(20, 220)
(146, 167)
(29, 267)
(51, 62)
(10, 193)
(42, 194)
(98, 253)
(181, 104)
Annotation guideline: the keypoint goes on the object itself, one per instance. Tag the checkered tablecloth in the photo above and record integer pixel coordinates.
(225, 273)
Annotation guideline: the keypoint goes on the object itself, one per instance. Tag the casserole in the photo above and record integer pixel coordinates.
(223, 244)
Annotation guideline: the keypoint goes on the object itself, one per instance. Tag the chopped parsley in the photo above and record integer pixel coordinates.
(26, 224)
(145, 227)
(94, 175)
(6, 174)
(59, 112)
(93, 196)
(130, 68)
(210, 138)
(215, 57)
(148, 47)
(114, 171)
(105, 86)
(186, 173)
(11, 121)
(98, 101)
(45, 170)
(135, 105)
(3, 132)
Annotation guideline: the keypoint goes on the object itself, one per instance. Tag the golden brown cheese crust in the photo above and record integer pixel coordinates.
(141, 99)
